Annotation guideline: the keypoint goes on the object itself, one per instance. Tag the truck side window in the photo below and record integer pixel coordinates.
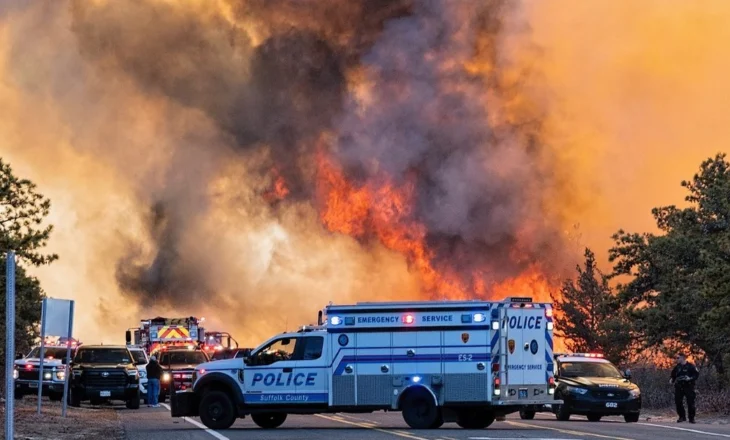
(165, 360)
(279, 350)
(312, 347)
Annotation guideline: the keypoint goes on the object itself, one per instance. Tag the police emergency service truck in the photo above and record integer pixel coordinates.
(465, 362)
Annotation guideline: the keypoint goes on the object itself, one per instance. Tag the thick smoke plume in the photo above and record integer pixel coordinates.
(249, 161)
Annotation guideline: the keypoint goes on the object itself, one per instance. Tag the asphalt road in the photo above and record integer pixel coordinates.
(156, 424)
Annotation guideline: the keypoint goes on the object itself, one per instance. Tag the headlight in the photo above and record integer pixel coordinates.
(635, 393)
(165, 377)
(576, 390)
(60, 375)
(46, 376)
(15, 373)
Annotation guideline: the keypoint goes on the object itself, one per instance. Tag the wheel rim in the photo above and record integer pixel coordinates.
(215, 410)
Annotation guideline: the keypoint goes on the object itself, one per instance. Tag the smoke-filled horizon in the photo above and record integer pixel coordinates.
(249, 161)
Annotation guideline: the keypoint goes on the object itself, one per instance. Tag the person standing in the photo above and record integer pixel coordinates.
(683, 377)
(154, 373)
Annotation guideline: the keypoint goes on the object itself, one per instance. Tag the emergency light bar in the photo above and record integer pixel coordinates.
(520, 299)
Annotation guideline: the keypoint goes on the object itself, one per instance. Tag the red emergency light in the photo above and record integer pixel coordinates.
(408, 319)
(28, 367)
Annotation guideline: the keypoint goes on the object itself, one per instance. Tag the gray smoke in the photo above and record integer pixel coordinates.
(478, 185)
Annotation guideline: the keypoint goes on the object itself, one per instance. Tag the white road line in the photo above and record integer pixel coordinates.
(513, 438)
(215, 434)
(696, 431)
(362, 425)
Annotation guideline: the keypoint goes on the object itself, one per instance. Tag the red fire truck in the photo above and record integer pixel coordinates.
(158, 332)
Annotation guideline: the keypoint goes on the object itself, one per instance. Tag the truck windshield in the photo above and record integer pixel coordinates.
(102, 356)
(50, 353)
(138, 356)
(188, 357)
(588, 369)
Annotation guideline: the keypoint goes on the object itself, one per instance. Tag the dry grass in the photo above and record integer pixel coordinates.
(80, 423)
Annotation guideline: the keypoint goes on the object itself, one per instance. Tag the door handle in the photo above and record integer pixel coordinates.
(288, 369)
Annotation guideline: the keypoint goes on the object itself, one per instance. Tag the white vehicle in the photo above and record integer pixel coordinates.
(466, 362)
(140, 356)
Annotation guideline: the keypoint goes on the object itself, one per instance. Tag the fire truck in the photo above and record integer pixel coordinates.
(152, 334)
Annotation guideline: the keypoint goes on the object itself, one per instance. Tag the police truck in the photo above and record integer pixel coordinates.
(441, 361)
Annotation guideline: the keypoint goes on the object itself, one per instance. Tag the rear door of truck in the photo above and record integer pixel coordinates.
(526, 347)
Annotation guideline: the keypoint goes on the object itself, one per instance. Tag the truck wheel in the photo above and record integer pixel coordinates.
(268, 420)
(631, 418)
(74, 399)
(133, 403)
(527, 414)
(216, 410)
(475, 418)
(439, 422)
(594, 418)
(562, 413)
(419, 409)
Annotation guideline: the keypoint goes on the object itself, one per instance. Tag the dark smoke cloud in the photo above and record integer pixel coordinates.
(276, 96)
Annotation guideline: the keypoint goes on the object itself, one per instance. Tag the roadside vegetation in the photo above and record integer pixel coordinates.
(667, 292)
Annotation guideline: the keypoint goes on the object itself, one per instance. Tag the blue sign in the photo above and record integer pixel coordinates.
(343, 340)
(533, 346)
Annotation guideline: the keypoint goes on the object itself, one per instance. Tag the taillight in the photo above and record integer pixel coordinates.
(497, 391)
(549, 313)
(495, 368)
(551, 385)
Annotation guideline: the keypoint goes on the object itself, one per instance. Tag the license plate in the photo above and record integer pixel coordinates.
(611, 405)
(105, 393)
(522, 394)
(33, 384)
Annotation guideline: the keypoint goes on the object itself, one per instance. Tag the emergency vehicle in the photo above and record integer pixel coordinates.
(449, 361)
(156, 332)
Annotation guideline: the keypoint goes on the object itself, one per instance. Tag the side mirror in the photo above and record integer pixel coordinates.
(128, 337)
(18, 356)
(319, 318)
(627, 374)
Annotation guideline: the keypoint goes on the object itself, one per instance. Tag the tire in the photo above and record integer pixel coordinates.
(562, 413)
(268, 420)
(216, 410)
(475, 418)
(631, 418)
(55, 397)
(594, 417)
(439, 422)
(527, 414)
(133, 403)
(419, 409)
(73, 398)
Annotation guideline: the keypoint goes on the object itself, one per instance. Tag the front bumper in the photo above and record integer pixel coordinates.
(24, 386)
(114, 393)
(582, 405)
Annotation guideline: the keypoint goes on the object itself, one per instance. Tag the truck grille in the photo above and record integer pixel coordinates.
(96, 378)
(610, 394)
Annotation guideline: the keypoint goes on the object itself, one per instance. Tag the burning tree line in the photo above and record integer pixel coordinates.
(672, 289)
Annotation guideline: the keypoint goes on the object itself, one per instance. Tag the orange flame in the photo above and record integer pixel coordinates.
(383, 210)
(278, 191)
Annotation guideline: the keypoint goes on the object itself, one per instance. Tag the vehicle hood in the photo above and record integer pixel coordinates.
(606, 383)
(222, 364)
(180, 367)
(36, 361)
(102, 366)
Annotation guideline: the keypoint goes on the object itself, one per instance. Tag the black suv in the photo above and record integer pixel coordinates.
(591, 386)
(104, 372)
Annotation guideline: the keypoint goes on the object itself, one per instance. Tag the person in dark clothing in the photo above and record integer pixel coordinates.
(154, 373)
(683, 377)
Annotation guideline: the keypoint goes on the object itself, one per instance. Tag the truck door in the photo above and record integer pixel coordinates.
(467, 370)
(268, 376)
(310, 373)
(526, 364)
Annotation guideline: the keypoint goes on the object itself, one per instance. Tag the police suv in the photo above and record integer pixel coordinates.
(465, 362)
